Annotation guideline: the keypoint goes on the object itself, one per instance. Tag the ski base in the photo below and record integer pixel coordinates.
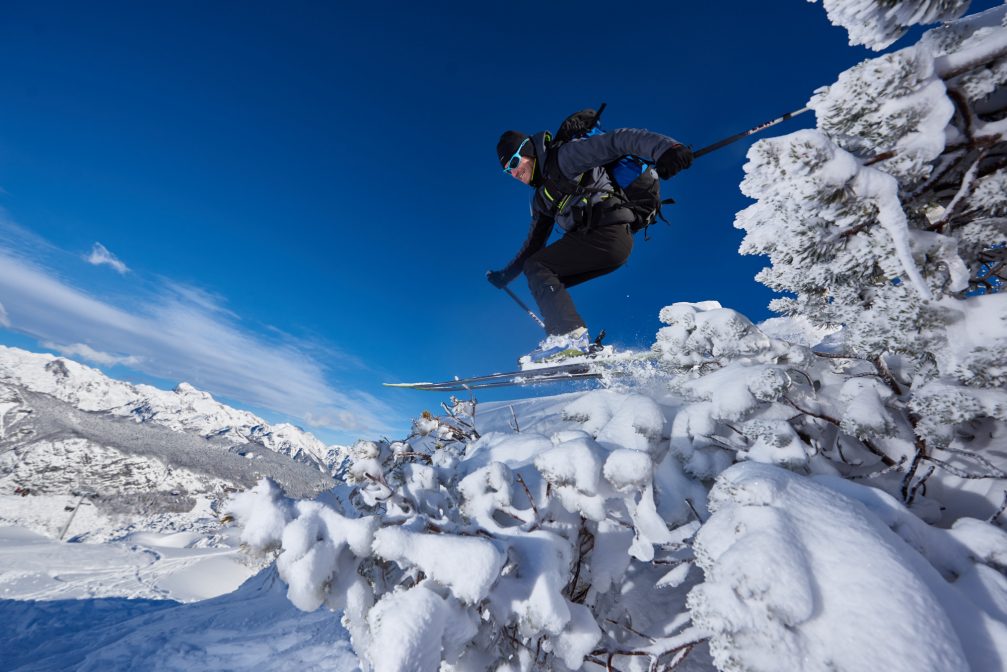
(546, 374)
(596, 365)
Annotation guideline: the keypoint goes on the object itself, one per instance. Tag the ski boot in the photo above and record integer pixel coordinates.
(558, 347)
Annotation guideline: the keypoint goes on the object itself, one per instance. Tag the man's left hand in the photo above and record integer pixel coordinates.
(673, 160)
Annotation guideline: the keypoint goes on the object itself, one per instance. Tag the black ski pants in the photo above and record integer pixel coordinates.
(577, 257)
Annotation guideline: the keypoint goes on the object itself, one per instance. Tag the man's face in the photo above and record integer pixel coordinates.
(524, 170)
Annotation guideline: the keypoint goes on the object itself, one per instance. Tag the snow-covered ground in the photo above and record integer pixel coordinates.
(113, 554)
(143, 565)
(252, 628)
(791, 569)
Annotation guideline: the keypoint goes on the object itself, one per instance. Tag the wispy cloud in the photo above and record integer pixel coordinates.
(100, 256)
(176, 332)
(4, 320)
(84, 351)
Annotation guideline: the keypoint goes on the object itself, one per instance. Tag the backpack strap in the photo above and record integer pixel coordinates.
(559, 190)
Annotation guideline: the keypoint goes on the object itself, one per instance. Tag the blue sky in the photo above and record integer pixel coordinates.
(288, 204)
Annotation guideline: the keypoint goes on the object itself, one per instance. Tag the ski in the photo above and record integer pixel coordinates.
(579, 368)
(520, 381)
(561, 372)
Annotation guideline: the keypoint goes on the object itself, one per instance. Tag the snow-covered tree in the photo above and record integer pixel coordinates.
(879, 23)
(889, 221)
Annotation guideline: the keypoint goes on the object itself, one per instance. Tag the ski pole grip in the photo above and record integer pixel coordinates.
(597, 115)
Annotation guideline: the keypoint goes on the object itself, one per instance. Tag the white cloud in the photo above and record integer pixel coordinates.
(4, 319)
(101, 256)
(84, 351)
(183, 334)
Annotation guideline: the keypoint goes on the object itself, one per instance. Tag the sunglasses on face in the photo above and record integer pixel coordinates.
(515, 160)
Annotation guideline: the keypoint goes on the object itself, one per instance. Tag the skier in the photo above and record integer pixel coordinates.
(574, 190)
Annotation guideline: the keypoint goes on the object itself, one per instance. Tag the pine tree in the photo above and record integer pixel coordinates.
(888, 220)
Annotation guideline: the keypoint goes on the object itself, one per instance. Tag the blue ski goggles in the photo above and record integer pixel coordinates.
(515, 160)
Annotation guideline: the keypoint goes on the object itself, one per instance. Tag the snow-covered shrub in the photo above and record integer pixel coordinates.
(888, 221)
(510, 551)
(573, 547)
(823, 574)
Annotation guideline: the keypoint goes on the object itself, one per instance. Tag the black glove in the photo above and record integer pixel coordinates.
(497, 279)
(673, 160)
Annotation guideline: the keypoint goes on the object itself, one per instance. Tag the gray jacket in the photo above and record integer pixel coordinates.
(586, 156)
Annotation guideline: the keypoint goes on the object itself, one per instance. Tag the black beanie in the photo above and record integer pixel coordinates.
(508, 144)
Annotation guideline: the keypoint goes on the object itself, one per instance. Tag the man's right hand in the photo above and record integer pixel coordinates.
(497, 279)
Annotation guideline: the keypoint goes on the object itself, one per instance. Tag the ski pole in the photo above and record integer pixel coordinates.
(744, 134)
(524, 307)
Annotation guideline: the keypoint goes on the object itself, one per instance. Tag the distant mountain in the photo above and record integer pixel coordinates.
(67, 429)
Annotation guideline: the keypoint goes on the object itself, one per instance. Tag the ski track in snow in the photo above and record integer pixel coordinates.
(253, 628)
(33, 567)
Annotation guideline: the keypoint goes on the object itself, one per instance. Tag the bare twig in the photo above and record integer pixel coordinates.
(886, 374)
(602, 663)
(531, 500)
(968, 185)
(921, 451)
(961, 104)
(581, 551)
(811, 384)
(921, 483)
(733, 428)
(978, 458)
(630, 628)
(878, 158)
(993, 519)
(693, 509)
(881, 472)
(952, 161)
(833, 421)
(961, 473)
(834, 355)
(981, 58)
(719, 443)
(514, 422)
(412, 453)
(682, 654)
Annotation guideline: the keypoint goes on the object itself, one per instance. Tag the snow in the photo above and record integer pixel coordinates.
(253, 628)
(780, 593)
(407, 628)
(149, 566)
(878, 24)
(485, 535)
(579, 637)
(437, 556)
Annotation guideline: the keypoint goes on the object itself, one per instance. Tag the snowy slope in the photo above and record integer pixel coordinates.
(181, 566)
(254, 628)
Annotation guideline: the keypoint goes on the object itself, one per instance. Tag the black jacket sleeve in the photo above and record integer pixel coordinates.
(580, 155)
